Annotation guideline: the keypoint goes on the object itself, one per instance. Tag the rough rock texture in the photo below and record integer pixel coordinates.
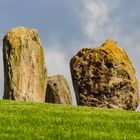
(24, 67)
(58, 91)
(104, 77)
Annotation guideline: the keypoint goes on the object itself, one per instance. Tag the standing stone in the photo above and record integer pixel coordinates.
(24, 67)
(58, 91)
(104, 77)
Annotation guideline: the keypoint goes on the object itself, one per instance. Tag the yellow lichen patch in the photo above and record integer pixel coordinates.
(109, 43)
(118, 55)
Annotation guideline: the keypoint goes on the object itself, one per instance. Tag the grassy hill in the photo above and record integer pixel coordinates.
(32, 121)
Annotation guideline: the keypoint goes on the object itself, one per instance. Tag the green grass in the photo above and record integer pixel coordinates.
(33, 121)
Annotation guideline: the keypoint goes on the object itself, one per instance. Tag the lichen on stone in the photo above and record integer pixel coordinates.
(104, 77)
(24, 66)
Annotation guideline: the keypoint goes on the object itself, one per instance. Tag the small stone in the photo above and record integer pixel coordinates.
(58, 90)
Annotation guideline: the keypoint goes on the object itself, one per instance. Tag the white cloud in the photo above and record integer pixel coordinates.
(96, 14)
(94, 17)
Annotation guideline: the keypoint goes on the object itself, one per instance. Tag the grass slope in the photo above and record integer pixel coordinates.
(31, 121)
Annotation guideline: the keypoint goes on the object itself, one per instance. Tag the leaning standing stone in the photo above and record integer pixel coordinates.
(104, 77)
(24, 66)
(58, 90)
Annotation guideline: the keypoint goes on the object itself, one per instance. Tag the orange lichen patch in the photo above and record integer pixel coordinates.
(118, 55)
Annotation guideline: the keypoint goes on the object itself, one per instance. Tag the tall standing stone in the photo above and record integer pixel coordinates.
(24, 66)
(58, 90)
(104, 77)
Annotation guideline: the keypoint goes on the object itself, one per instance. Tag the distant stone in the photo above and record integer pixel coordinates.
(24, 66)
(58, 90)
(104, 77)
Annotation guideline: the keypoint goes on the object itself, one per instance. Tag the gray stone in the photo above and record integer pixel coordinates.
(58, 91)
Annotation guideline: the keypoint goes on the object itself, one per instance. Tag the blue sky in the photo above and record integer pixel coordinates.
(66, 26)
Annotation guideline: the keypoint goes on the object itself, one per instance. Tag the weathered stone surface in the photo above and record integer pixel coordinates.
(24, 67)
(104, 77)
(58, 90)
